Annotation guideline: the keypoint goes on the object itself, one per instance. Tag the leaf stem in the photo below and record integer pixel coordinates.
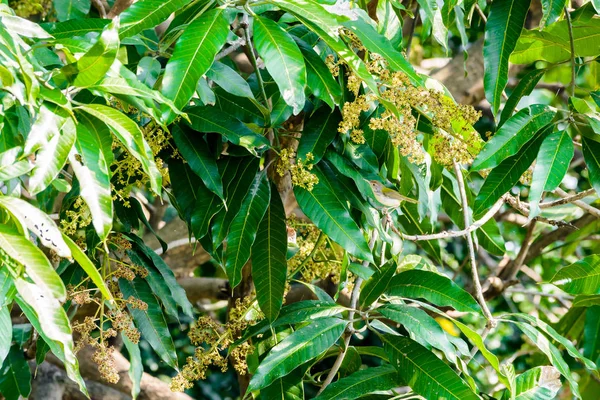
(571, 42)
(246, 27)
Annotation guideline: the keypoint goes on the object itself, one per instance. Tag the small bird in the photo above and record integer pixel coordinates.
(388, 197)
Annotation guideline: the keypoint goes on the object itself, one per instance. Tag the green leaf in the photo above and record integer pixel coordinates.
(289, 387)
(581, 277)
(136, 369)
(434, 20)
(193, 55)
(507, 174)
(210, 119)
(552, 10)
(524, 88)
(196, 152)
(426, 374)
(10, 166)
(148, 70)
(177, 292)
(229, 80)
(146, 14)
(5, 331)
(131, 136)
(50, 320)
(71, 9)
(93, 174)
(502, 31)
(362, 382)
(269, 263)
(509, 139)
(15, 377)
(150, 322)
(539, 383)
(377, 284)
(301, 346)
(37, 266)
(379, 44)
(591, 334)
(551, 352)
(54, 142)
(586, 300)
(422, 327)
(282, 59)
(74, 28)
(327, 25)
(318, 77)
(551, 167)
(548, 330)
(39, 223)
(96, 62)
(433, 287)
(244, 228)
(322, 206)
(591, 154)
(319, 131)
(90, 269)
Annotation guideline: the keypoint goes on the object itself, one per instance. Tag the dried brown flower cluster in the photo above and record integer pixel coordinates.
(212, 339)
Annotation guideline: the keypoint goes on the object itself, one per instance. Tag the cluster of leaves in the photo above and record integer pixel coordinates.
(93, 111)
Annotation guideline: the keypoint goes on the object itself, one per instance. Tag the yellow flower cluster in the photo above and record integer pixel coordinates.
(28, 8)
(299, 169)
(217, 338)
(77, 218)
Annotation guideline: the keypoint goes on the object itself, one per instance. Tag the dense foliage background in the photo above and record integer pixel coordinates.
(188, 203)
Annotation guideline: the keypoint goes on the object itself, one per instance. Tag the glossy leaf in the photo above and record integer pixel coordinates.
(146, 14)
(581, 277)
(74, 27)
(93, 174)
(591, 154)
(433, 287)
(269, 263)
(244, 228)
(289, 387)
(10, 166)
(502, 31)
(318, 77)
(37, 266)
(303, 345)
(539, 383)
(150, 322)
(362, 382)
(591, 334)
(324, 208)
(39, 223)
(71, 9)
(90, 269)
(210, 119)
(229, 80)
(282, 59)
(130, 135)
(517, 131)
(423, 328)
(96, 62)
(377, 284)
(551, 167)
(196, 152)
(426, 374)
(382, 46)
(177, 292)
(193, 55)
(551, 11)
(5, 331)
(318, 133)
(50, 320)
(15, 377)
(507, 174)
(524, 88)
(136, 368)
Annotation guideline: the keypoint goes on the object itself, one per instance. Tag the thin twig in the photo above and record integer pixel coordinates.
(584, 206)
(452, 234)
(246, 28)
(412, 31)
(568, 199)
(350, 329)
(233, 46)
(491, 323)
(571, 42)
